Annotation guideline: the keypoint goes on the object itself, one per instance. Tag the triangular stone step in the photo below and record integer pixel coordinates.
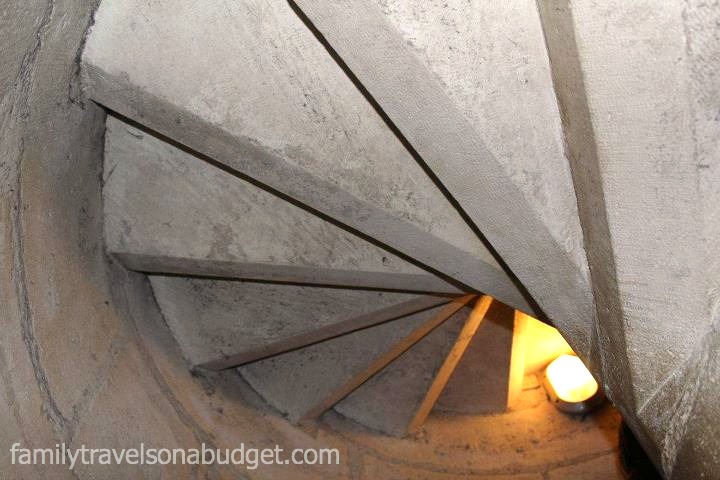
(398, 399)
(306, 382)
(167, 211)
(261, 96)
(222, 324)
(482, 382)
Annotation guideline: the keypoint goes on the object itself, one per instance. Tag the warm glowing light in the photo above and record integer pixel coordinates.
(570, 379)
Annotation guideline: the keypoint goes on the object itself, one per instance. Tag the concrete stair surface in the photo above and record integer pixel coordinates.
(247, 279)
(167, 211)
(302, 382)
(218, 319)
(483, 382)
(476, 101)
(385, 368)
(294, 123)
(398, 399)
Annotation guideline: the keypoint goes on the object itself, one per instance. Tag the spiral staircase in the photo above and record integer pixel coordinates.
(360, 146)
(312, 316)
(291, 232)
(345, 212)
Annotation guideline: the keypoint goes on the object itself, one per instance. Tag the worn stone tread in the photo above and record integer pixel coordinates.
(397, 400)
(304, 383)
(222, 323)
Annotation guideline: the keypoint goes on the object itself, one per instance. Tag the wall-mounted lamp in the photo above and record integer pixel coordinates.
(570, 386)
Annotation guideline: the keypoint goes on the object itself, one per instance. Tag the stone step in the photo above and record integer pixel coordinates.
(304, 383)
(167, 211)
(483, 382)
(398, 399)
(222, 324)
(474, 97)
(261, 96)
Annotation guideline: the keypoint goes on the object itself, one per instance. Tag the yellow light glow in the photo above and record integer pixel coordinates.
(570, 379)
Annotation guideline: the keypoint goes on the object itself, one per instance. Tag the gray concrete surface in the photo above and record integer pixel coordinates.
(501, 195)
(479, 384)
(582, 155)
(167, 211)
(656, 228)
(389, 401)
(497, 73)
(297, 381)
(214, 319)
(295, 122)
(638, 85)
(211, 319)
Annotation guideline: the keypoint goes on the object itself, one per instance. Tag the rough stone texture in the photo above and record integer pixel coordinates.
(479, 383)
(598, 468)
(657, 123)
(677, 414)
(638, 87)
(295, 122)
(44, 138)
(518, 442)
(503, 205)
(698, 451)
(15, 44)
(170, 212)
(582, 155)
(376, 469)
(297, 381)
(498, 74)
(185, 409)
(217, 318)
(389, 401)
(303, 374)
(692, 446)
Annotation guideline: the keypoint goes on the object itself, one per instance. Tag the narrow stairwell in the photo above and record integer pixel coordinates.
(299, 243)
(368, 225)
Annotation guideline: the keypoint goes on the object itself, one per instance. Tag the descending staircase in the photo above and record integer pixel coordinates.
(292, 231)
(248, 280)
(304, 185)
(262, 99)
